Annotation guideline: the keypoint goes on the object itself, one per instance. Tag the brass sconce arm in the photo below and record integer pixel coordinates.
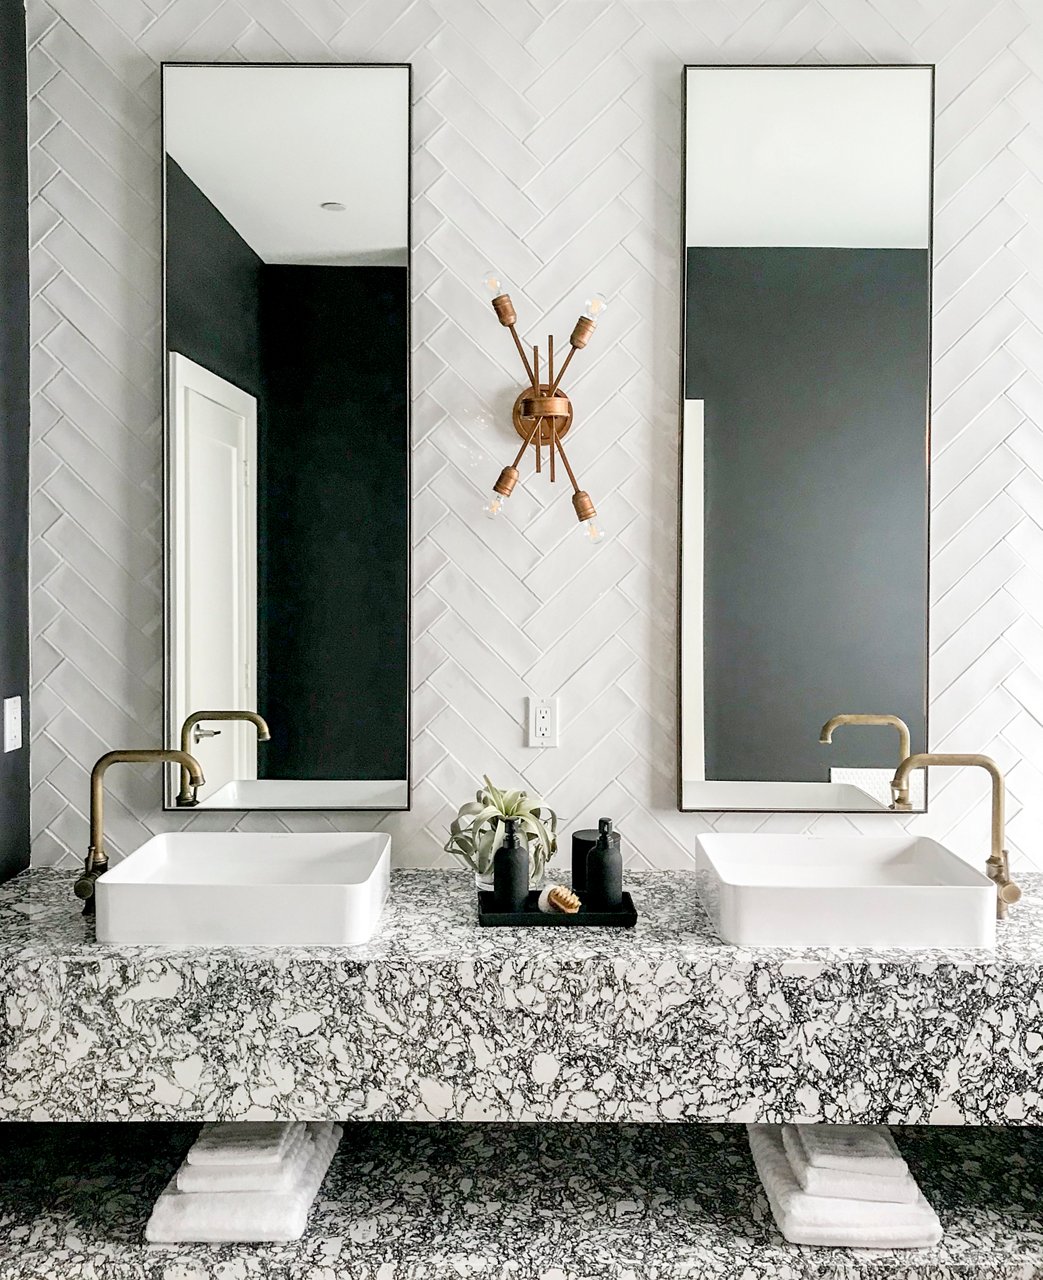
(508, 317)
(581, 335)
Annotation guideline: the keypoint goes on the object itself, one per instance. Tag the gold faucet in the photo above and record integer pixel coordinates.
(97, 861)
(997, 868)
(186, 797)
(904, 741)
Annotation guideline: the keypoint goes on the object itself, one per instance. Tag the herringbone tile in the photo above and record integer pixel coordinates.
(548, 138)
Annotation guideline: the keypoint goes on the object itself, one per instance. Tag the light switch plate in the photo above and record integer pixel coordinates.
(12, 724)
(543, 722)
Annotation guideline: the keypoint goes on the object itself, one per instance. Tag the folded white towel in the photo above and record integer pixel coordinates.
(272, 1175)
(247, 1217)
(822, 1220)
(857, 1148)
(244, 1141)
(844, 1184)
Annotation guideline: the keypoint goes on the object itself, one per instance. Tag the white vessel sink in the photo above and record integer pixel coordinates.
(239, 889)
(848, 891)
(306, 793)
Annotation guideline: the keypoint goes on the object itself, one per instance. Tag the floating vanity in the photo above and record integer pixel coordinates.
(436, 1019)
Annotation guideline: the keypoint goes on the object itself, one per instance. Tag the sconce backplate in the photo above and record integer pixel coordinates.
(556, 409)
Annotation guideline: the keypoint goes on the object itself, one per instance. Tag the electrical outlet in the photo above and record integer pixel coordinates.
(12, 724)
(543, 722)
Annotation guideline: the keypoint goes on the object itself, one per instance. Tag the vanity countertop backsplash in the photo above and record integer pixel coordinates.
(438, 1019)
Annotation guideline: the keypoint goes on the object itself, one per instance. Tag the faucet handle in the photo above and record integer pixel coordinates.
(1008, 892)
(93, 867)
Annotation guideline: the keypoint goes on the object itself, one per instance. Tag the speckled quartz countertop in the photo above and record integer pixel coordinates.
(436, 1019)
(509, 1202)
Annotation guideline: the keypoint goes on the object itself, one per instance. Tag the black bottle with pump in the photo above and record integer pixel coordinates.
(605, 869)
(511, 871)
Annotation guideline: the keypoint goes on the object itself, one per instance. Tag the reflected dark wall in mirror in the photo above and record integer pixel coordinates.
(804, 460)
(815, 515)
(213, 288)
(305, 309)
(334, 522)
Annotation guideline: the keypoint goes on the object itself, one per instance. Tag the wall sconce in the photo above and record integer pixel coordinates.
(542, 412)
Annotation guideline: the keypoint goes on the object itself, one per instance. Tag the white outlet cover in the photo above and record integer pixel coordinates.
(542, 722)
(12, 724)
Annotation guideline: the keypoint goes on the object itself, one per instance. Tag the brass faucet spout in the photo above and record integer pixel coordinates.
(186, 797)
(97, 860)
(997, 866)
(896, 722)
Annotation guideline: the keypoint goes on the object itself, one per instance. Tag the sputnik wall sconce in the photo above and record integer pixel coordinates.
(542, 412)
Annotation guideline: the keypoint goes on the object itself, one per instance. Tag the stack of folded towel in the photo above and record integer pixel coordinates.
(843, 1185)
(246, 1182)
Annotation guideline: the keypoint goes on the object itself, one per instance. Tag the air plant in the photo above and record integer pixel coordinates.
(479, 829)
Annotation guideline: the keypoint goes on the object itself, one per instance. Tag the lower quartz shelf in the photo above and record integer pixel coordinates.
(529, 1202)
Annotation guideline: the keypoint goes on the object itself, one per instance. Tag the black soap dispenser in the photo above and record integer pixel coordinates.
(605, 870)
(582, 844)
(511, 871)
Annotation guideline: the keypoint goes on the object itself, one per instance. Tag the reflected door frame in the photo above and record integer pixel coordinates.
(238, 755)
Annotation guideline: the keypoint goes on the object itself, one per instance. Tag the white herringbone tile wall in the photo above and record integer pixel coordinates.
(547, 140)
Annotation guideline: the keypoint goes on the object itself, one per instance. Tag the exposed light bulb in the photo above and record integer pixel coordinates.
(592, 530)
(492, 282)
(595, 308)
(495, 505)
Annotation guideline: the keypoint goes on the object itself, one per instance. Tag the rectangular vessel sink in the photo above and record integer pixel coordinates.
(847, 891)
(239, 889)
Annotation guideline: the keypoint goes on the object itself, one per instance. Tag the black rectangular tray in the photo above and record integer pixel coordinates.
(530, 916)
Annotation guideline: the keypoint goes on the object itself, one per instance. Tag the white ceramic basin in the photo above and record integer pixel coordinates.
(307, 793)
(848, 891)
(239, 889)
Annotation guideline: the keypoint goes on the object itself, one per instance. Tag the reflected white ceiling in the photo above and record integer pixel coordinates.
(269, 145)
(819, 156)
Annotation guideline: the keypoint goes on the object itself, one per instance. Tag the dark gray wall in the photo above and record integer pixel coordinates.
(213, 281)
(336, 503)
(814, 367)
(14, 432)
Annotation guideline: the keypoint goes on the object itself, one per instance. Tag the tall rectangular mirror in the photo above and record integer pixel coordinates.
(804, 458)
(286, 317)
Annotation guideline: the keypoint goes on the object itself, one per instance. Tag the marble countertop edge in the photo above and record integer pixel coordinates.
(431, 920)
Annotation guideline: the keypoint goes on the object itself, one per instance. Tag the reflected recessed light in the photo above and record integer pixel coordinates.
(333, 206)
